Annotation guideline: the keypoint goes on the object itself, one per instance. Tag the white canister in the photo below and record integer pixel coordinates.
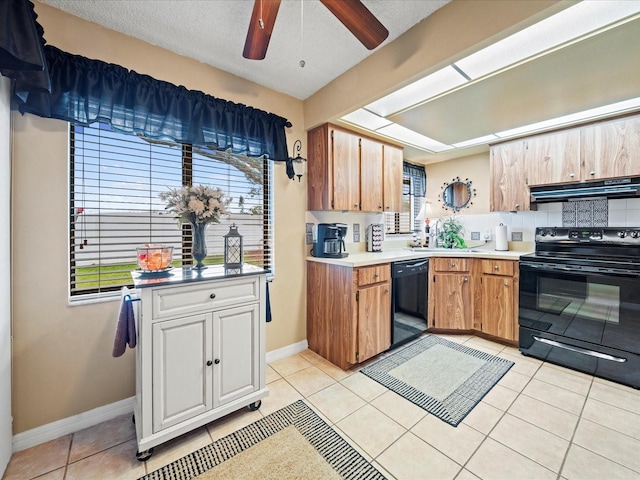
(502, 244)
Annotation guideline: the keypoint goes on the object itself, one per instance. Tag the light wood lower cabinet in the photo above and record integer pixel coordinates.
(472, 294)
(498, 298)
(348, 311)
(451, 293)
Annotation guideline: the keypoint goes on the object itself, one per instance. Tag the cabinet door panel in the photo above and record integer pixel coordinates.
(553, 158)
(346, 170)
(452, 298)
(611, 149)
(182, 381)
(370, 176)
(509, 190)
(374, 321)
(392, 179)
(497, 306)
(236, 333)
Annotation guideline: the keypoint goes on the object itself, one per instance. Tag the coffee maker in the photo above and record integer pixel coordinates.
(330, 241)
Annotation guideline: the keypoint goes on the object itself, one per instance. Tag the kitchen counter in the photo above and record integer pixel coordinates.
(361, 259)
(176, 276)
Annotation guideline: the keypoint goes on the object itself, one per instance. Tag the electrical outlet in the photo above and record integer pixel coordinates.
(356, 232)
(475, 235)
(487, 236)
(516, 236)
(309, 233)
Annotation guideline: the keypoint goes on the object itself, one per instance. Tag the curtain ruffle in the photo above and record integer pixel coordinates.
(85, 91)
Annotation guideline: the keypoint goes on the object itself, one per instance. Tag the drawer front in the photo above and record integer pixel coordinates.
(203, 297)
(498, 267)
(451, 264)
(374, 274)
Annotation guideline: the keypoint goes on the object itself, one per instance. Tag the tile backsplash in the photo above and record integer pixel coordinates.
(586, 213)
(597, 212)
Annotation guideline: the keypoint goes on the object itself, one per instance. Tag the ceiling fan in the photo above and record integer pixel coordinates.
(352, 13)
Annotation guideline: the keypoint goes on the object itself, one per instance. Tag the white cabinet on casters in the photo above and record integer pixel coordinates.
(200, 352)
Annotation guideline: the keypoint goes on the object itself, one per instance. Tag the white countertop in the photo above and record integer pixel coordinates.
(361, 259)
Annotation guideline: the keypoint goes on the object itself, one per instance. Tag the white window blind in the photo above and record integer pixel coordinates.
(115, 180)
(404, 221)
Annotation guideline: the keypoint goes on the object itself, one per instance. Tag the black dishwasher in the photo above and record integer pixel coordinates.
(410, 283)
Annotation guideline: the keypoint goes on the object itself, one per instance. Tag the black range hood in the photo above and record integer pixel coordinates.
(617, 188)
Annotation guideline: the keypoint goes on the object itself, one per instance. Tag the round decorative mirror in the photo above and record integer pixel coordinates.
(457, 194)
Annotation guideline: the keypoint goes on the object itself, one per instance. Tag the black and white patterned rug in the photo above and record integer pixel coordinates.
(443, 377)
(341, 458)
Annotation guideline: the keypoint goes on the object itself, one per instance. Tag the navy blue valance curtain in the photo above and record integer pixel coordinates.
(418, 178)
(84, 91)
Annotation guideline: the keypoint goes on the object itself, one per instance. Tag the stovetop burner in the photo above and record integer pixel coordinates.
(606, 247)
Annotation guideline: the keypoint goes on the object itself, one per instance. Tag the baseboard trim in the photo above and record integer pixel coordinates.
(287, 351)
(65, 426)
(72, 424)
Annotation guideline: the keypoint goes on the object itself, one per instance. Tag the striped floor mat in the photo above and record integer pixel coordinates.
(443, 377)
(341, 457)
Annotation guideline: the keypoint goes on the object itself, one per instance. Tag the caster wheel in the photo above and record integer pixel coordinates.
(255, 406)
(144, 456)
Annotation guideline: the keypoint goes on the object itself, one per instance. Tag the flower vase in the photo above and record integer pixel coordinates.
(199, 245)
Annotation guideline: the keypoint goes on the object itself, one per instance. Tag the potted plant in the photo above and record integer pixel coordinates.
(450, 235)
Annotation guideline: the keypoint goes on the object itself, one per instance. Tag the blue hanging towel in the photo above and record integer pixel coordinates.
(126, 328)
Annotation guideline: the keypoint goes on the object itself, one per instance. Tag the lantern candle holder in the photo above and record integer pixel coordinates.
(233, 254)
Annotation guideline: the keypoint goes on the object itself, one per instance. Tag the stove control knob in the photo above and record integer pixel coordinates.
(552, 233)
(635, 234)
(543, 233)
(622, 234)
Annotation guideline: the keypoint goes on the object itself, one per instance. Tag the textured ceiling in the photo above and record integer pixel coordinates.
(214, 32)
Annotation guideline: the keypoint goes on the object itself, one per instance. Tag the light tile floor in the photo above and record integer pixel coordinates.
(541, 421)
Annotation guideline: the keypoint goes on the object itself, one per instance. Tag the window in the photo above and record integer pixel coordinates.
(413, 193)
(115, 180)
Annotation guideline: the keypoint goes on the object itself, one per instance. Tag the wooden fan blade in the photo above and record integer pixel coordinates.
(265, 12)
(359, 21)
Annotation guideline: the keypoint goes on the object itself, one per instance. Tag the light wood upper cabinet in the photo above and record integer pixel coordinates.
(611, 149)
(371, 175)
(347, 171)
(345, 152)
(553, 158)
(509, 189)
(392, 178)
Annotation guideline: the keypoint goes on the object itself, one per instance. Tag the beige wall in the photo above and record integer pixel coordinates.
(62, 362)
(474, 167)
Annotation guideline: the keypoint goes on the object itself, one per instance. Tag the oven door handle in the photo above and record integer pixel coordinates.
(559, 267)
(583, 351)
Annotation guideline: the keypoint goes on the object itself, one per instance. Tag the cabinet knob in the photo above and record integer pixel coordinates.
(572, 175)
(506, 284)
(356, 205)
(209, 363)
(517, 205)
(212, 296)
(592, 173)
(216, 361)
(376, 274)
(453, 264)
(386, 290)
(496, 267)
(466, 279)
(380, 207)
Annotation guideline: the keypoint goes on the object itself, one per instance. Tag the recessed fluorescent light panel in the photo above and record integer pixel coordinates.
(417, 92)
(619, 107)
(405, 135)
(569, 24)
(366, 119)
(476, 141)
